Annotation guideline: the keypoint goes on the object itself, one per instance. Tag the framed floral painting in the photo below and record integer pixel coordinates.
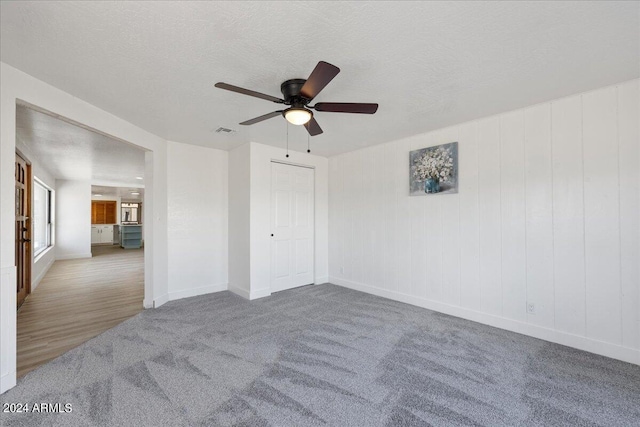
(434, 170)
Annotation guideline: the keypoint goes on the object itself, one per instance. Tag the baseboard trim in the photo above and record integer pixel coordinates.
(36, 281)
(261, 293)
(321, 280)
(38, 257)
(576, 341)
(239, 291)
(8, 329)
(73, 256)
(187, 293)
(161, 300)
(7, 381)
(147, 304)
(250, 295)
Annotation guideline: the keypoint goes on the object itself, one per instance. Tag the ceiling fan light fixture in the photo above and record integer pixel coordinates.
(297, 116)
(297, 94)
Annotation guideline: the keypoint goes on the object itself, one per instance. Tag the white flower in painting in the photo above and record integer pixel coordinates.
(435, 163)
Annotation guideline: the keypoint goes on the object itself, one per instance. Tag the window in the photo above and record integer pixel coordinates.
(41, 217)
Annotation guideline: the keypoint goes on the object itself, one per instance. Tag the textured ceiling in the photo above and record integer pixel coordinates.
(68, 151)
(428, 64)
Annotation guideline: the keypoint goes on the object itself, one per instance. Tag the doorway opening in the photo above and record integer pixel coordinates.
(80, 287)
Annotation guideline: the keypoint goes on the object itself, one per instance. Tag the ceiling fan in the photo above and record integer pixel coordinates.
(298, 93)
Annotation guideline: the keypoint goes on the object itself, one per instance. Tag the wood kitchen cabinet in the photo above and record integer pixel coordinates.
(103, 212)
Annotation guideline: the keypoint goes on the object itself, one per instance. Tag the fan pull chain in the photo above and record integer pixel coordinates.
(308, 144)
(287, 124)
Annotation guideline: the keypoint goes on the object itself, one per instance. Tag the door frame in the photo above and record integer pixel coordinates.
(313, 214)
(17, 87)
(152, 298)
(28, 262)
(37, 95)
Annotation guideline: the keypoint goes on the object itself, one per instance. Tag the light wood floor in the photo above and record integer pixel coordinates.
(77, 300)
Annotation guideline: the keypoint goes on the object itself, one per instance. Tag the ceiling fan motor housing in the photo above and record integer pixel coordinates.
(291, 92)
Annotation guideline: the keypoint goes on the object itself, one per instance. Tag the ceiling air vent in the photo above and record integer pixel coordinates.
(225, 130)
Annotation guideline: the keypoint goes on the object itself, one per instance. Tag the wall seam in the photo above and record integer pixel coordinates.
(459, 240)
(584, 225)
(440, 213)
(477, 138)
(526, 234)
(500, 206)
(619, 215)
(553, 217)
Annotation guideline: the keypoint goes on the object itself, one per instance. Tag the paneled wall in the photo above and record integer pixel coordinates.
(542, 237)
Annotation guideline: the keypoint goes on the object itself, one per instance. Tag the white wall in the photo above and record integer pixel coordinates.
(547, 214)
(18, 86)
(260, 223)
(197, 220)
(239, 186)
(73, 219)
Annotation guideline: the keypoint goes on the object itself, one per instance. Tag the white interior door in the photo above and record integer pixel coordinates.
(292, 226)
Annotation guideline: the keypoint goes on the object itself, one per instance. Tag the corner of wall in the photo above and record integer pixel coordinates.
(48, 259)
(260, 293)
(161, 300)
(520, 245)
(239, 291)
(238, 247)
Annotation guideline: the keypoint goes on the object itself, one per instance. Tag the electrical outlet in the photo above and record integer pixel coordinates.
(531, 308)
(341, 270)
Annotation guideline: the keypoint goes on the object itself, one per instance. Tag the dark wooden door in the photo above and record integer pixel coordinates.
(23, 228)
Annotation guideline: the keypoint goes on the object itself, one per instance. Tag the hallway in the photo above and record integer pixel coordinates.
(77, 300)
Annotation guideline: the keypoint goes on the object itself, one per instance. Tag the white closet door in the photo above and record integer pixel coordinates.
(292, 219)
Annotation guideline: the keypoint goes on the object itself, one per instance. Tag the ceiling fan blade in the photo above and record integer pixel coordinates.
(313, 127)
(319, 78)
(346, 107)
(253, 93)
(261, 118)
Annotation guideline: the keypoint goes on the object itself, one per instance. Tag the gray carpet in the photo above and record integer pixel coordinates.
(323, 355)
